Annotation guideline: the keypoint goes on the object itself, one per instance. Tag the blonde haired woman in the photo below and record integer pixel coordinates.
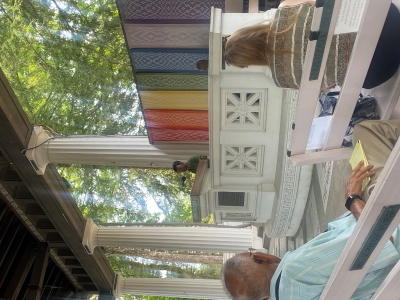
(282, 45)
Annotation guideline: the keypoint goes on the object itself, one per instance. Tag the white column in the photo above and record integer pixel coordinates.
(171, 287)
(170, 238)
(119, 150)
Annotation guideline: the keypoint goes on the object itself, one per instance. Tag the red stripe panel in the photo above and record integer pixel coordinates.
(177, 119)
(177, 135)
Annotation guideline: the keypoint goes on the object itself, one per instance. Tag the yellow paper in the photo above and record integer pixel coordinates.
(357, 156)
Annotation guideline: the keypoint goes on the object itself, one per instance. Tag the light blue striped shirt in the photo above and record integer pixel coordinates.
(306, 270)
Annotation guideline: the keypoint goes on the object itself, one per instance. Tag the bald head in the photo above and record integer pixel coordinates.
(243, 279)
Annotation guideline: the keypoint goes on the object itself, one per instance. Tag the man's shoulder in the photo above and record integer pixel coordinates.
(194, 158)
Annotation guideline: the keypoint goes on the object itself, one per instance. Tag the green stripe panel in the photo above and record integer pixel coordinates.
(321, 42)
(170, 81)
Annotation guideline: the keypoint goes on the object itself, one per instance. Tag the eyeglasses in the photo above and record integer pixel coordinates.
(258, 261)
(224, 41)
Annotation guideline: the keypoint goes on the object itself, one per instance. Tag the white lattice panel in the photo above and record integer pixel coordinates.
(244, 110)
(242, 160)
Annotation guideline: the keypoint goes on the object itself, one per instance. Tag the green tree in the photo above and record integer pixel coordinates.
(108, 193)
(165, 187)
(145, 268)
(68, 64)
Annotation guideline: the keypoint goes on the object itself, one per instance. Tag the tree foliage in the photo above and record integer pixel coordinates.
(68, 64)
(165, 187)
(142, 268)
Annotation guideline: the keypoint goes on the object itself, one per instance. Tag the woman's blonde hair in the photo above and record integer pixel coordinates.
(248, 46)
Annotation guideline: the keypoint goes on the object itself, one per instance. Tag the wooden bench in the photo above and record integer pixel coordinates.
(196, 189)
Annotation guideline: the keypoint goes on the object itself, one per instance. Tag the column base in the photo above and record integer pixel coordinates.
(36, 156)
(88, 240)
(117, 285)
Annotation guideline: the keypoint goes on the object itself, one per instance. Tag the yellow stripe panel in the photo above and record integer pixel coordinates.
(177, 100)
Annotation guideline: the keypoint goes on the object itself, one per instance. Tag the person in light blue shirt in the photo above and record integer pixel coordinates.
(304, 273)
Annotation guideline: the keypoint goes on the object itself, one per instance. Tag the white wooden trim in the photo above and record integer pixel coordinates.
(389, 288)
(309, 90)
(371, 26)
(367, 38)
(253, 6)
(343, 282)
(321, 156)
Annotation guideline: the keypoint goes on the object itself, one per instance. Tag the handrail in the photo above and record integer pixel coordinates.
(369, 229)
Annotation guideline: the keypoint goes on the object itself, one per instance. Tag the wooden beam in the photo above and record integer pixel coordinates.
(5, 225)
(11, 236)
(198, 180)
(389, 289)
(321, 156)
(196, 189)
(49, 190)
(20, 273)
(38, 272)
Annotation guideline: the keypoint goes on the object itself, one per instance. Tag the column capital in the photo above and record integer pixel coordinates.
(89, 236)
(35, 155)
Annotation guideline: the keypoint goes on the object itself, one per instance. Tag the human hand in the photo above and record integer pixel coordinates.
(354, 184)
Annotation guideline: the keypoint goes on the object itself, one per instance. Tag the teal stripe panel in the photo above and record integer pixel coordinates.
(321, 42)
(171, 81)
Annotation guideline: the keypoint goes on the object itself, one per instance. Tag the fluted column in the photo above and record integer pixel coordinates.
(126, 151)
(170, 238)
(171, 287)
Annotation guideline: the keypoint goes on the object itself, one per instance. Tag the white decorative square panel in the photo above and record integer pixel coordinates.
(242, 160)
(244, 110)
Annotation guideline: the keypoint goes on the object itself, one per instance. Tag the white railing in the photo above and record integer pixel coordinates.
(372, 21)
(375, 226)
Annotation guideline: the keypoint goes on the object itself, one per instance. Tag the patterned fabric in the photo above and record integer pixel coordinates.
(177, 119)
(162, 60)
(306, 271)
(167, 35)
(154, 81)
(168, 11)
(184, 100)
(177, 135)
(291, 46)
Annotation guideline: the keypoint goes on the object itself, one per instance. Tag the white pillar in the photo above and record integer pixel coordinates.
(171, 287)
(170, 238)
(119, 150)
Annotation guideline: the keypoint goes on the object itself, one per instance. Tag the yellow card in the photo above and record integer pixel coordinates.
(357, 156)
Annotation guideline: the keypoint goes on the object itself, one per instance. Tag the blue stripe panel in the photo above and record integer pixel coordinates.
(165, 60)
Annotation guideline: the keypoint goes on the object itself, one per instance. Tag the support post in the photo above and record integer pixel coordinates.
(171, 287)
(170, 238)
